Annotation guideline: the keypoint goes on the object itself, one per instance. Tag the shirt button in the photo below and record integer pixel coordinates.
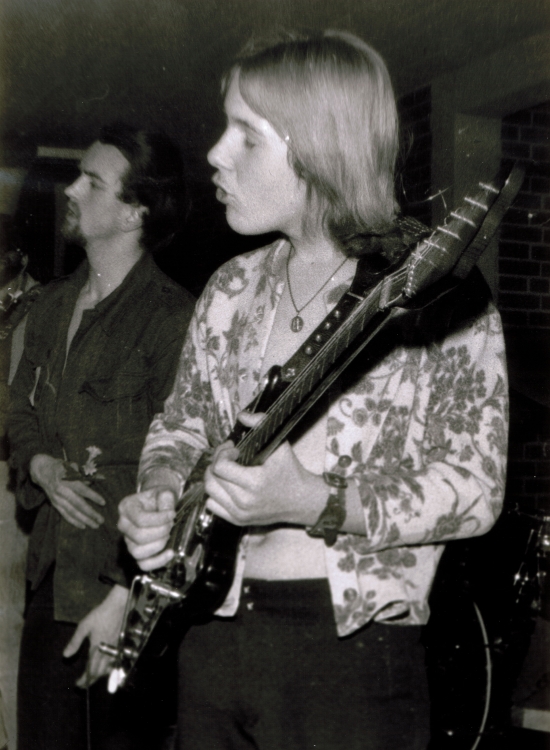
(345, 461)
(250, 605)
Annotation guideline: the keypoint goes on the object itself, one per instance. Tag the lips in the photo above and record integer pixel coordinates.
(221, 193)
(72, 210)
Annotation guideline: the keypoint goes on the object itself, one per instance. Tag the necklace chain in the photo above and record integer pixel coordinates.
(297, 323)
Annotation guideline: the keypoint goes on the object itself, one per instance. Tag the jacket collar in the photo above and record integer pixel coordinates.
(128, 294)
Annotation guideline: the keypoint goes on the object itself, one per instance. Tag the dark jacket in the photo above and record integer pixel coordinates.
(93, 411)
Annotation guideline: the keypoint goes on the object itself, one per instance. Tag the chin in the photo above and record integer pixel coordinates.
(71, 232)
(242, 225)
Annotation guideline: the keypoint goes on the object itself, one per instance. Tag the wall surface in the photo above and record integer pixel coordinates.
(69, 66)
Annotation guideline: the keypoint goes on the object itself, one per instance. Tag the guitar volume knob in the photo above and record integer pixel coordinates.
(204, 521)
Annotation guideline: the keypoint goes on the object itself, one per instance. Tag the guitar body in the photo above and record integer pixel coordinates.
(199, 577)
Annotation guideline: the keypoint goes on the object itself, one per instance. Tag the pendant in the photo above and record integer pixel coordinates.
(296, 324)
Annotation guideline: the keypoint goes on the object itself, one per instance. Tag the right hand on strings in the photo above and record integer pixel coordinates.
(146, 520)
(69, 498)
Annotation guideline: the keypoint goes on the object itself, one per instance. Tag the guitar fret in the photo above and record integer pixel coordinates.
(448, 232)
(463, 218)
(386, 292)
(490, 188)
(201, 568)
(434, 244)
(473, 202)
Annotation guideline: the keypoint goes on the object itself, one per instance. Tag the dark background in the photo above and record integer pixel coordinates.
(473, 83)
(70, 66)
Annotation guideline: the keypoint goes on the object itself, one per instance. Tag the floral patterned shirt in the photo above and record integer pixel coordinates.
(423, 434)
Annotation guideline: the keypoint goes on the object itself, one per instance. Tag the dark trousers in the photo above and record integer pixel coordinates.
(276, 676)
(53, 714)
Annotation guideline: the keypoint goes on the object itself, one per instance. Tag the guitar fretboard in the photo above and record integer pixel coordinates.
(431, 260)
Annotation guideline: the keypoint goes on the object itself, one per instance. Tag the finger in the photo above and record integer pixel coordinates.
(97, 666)
(140, 510)
(70, 519)
(225, 451)
(158, 561)
(69, 514)
(148, 548)
(146, 500)
(220, 448)
(228, 515)
(144, 534)
(219, 510)
(76, 642)
(227, 469)
(217, 489)
(249, 419)
(85, 491)
(78, 509)
(166, 500)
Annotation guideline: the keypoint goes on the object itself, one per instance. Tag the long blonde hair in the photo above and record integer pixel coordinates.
(329, 95)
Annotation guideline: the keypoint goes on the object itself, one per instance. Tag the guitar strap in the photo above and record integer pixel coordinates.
(398, 243)
(383, 285)
(373, 267)
(382, 254)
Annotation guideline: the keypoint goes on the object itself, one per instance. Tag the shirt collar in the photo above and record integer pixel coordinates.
(132, 288)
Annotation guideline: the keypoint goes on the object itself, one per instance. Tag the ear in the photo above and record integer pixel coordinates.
(133, 218)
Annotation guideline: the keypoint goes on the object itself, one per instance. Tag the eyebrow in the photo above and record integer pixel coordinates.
(244, 124)
(93, 175)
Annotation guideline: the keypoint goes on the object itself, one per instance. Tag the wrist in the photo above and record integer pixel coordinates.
(118, 595)
(38, 464)
(333, 515)
(165, 479)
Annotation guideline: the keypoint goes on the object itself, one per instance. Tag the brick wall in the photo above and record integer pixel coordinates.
(524, 303)
(415, 174)
(524, 267)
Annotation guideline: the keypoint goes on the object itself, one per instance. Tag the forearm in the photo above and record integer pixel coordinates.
(312, 499)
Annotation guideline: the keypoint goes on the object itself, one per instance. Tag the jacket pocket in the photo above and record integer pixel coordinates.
(124, 385)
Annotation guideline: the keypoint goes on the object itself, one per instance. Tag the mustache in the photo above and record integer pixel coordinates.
(72, 210)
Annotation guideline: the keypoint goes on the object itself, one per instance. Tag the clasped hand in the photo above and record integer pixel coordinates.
(70, 498)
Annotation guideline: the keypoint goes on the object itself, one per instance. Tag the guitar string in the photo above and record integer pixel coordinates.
(296, 384)
(289, 393)
(345, 329)
(421, 251)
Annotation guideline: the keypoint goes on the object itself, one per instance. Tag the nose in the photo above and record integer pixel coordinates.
(218, 156)
(73, 189)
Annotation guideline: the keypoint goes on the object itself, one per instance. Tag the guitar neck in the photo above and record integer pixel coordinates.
(453, 247)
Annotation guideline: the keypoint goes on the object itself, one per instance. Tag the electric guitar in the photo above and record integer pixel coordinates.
(197, 580)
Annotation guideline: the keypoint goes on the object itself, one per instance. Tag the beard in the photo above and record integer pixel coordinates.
(70, 229)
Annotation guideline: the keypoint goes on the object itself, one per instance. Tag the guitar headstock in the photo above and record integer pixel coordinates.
(454, 247)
